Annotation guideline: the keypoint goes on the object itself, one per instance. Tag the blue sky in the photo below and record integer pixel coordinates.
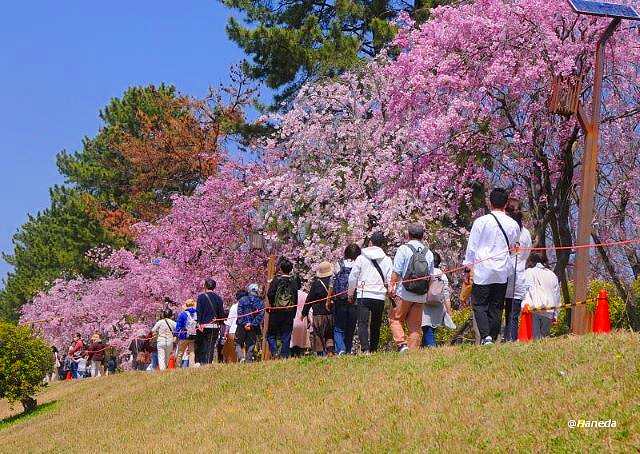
(62, 61)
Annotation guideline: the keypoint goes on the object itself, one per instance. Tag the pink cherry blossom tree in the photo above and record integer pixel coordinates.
(475, 80)
(204, 235)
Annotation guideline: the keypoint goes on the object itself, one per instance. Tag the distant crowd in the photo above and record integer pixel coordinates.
(348, 300)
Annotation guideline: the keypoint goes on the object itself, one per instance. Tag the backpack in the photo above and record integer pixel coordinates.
(418, 272)
(192, 325)
(341, 284)
(284, 296)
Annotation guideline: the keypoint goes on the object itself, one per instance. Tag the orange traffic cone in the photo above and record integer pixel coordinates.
(525, 328)
(601, 318)
(172, 361)
(69, 378)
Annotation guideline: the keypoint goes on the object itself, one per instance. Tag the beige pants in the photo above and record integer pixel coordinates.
(165, 347)
(96, 368)
(411, 314)
(183, 346)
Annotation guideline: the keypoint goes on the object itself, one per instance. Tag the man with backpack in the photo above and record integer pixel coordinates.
(412, 269)
(345, 313)
(368, 282)
(210, 311)
(489, 255)
(283, 300)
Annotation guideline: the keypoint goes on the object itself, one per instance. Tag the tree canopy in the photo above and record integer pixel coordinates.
(294, 42)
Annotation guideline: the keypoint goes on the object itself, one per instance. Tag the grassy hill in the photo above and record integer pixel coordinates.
(507, 397)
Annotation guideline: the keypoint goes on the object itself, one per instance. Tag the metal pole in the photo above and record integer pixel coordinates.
(579, 319)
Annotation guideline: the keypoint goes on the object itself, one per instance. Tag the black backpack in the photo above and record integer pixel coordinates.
(284, 293)
(416, 278)
(341, 284)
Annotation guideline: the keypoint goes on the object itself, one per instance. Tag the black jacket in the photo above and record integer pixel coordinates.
(209, 308)
(318, 295)
(282, 319)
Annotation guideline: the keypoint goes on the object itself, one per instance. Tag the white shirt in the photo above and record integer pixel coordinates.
(164, 328)
(232, 319)
(364, 277)
(543, 290)
(487, 249)
(520, 260)
(400, 265)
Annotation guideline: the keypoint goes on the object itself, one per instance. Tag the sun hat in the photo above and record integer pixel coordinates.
(324, 269)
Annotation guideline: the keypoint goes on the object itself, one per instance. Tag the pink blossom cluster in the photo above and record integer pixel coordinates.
(204, 235)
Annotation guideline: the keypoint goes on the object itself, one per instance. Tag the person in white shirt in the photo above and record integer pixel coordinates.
(542, 295)
(408, 304)
(516, 284)
(163, 329)
(488, 253)
(370, 275)
(229, 347)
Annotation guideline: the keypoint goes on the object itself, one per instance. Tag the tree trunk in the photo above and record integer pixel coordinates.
(29, 404)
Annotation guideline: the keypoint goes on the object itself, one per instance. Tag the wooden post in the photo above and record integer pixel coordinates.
(271, 272)
(579, 319)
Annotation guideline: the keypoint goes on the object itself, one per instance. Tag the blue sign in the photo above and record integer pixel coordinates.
(604, 9)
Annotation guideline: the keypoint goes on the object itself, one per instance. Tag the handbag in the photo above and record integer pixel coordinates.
(435, 294)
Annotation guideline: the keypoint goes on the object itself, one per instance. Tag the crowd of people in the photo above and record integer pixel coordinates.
(350, 298)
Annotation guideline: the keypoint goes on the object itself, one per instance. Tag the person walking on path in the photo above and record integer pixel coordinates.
(163, 329)
(283, 297)
(186, 329)
(488, 253)
(300, 341)
(412, 268)
(438, 304)
(250, 316)
(231, 326)
(210, 309)
(76, 351)
(542, 295)
(368, 283)
(95, 355)
(516, 285)
(319, 299)
(345, 312)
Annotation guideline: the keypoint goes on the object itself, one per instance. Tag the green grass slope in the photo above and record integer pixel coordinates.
(506, 398)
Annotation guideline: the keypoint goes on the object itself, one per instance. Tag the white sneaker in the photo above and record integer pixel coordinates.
(403, 349)
(487, 341)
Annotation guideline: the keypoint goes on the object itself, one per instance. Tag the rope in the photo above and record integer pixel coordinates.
(514, 249)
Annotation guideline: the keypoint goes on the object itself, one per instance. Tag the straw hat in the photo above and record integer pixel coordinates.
(325, 269)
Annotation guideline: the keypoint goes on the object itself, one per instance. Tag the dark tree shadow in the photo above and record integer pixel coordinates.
(25, 416)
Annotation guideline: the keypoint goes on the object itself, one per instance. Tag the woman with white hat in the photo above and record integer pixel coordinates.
(319, 299)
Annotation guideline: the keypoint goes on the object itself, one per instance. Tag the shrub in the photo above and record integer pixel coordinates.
(24, 362)
(620, 317)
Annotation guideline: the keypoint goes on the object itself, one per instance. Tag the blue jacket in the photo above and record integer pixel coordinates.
(181, 324)
(247, 305)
